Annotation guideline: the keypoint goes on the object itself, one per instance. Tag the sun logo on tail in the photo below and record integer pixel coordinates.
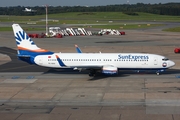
(24, 41)
(22, 37)
(25, 44)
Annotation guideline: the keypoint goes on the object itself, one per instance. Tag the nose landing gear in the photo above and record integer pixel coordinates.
(159, 71)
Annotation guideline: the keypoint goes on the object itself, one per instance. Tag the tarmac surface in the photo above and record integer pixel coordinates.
(35, 93)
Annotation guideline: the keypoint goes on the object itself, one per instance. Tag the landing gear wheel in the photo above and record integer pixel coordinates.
(92, 73)
(157, 73)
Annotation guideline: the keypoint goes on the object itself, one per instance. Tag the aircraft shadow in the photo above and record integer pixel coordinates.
(98, 76)
(121, 72)
(16, 65)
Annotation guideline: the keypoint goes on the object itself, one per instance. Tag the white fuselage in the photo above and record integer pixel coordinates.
(119, 60)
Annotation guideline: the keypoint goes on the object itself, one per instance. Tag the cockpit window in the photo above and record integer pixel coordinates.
(165, 59)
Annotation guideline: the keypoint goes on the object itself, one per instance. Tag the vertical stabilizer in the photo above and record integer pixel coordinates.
(24, 43)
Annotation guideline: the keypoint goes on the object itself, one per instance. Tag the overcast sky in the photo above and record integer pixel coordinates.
(5, 3)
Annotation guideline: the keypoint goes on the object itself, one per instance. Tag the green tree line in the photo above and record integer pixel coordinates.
(161, 9)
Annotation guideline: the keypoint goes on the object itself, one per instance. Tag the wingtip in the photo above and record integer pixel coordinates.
(76, 45)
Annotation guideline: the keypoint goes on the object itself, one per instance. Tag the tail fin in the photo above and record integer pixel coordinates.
(24, 43)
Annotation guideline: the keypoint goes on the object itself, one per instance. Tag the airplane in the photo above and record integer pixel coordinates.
(29, 10)
(106, 63)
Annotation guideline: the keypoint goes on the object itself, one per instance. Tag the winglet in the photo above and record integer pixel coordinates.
(78, 49)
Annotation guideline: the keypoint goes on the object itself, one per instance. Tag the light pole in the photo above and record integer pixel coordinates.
(46, 19)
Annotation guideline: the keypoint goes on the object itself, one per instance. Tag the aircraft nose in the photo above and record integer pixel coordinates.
(172, 63)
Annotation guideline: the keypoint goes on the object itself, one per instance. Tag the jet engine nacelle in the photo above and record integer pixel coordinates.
(109, 70)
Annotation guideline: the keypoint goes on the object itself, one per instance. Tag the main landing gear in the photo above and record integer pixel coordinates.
(92, 73)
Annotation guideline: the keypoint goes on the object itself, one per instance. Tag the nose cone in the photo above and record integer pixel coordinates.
(172, 63)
